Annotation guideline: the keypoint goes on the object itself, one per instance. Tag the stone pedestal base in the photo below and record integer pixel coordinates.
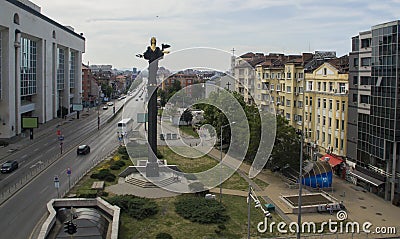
(152, 169)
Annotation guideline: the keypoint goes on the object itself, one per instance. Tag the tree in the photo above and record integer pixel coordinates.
(286, 149)
(187, 116)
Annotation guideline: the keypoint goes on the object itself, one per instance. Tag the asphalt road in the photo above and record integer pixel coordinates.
(24, 210)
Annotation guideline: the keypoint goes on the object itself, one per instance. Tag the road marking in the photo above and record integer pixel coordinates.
(24, 156)
(44, 189)
(36, 149)
(46, 144)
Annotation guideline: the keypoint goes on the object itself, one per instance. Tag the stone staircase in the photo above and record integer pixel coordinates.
(146, 184)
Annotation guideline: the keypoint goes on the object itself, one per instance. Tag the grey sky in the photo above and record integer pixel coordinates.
(117, 30)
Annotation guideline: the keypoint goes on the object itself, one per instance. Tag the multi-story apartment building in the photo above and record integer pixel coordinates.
(374, 108)
(245, 74)
(90, 89)
(325, 112)
(40, 62)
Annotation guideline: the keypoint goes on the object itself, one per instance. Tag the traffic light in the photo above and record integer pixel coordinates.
(70, 227)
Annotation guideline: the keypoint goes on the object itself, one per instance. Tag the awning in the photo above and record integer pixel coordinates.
(366, 178)
(333, 160)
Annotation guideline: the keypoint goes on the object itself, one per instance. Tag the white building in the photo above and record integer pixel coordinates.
(40, 66)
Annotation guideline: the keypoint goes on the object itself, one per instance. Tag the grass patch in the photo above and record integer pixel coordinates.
(188, 130)
(236, 182)
(84, 186)
(168, 221)
(187, 165)
(260, 183)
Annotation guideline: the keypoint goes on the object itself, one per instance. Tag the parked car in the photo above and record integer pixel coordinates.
(9, 166)
(105, 107)
(83, 149)
(110, 104)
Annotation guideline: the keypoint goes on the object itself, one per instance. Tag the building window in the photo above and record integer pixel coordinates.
(28, 67)
(355, 80)
(300, 118)
(325, 71)
(324, 104)
(289, 75)
(319, 103)
(310, 116)
(301, 75)
(343, 105)
(301, 90)
(365, 61)
(337, 124)
(337, 105)
(318, 119)
(309, 85)
(289, 89)
(319, 86)
(330, 86)
(317, 135)
(72, 69)
(323, 120)
(342, 87)
(364, 99)
(306, 100)
(272, 87)
(324, 86)
(365, 43)
(355, 62)
(287, 116)
(288, 103)
(365, 80)
(341, 144)
(278, 75)
(60, 68)
(336, 143)
(323, 137)
(310, 101)
(330, 104)
(272, 75)
(54, 34)
(342, 125)
(329, 138)
(329, 122)
(16, 19)
(355, 96)
(278, 87)
(300, 104)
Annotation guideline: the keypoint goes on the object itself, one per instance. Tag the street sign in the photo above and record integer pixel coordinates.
(68, 171)
(56, 182)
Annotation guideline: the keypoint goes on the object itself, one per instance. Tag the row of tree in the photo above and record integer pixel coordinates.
(286, 145)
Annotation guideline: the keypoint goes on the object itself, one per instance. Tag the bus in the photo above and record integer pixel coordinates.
(125, 126)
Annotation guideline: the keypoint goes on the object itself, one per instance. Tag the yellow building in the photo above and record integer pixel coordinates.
(325, 112)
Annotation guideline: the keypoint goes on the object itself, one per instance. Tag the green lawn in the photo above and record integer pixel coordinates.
(167, 220)
(188, 130)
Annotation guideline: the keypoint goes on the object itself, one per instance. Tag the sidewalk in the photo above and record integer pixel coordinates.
(21, 141)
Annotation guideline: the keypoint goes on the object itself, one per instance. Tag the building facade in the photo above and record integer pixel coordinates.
(40, 66)
(325, 112)
(374, 128)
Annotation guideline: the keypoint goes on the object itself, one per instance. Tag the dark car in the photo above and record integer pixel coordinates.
(83, 149)
(9, 166)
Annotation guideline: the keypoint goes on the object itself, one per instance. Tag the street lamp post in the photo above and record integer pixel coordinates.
(220, 166)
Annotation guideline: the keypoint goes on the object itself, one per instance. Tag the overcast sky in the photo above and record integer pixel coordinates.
(117, 30)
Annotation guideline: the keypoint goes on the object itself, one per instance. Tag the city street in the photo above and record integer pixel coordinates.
(28, 205)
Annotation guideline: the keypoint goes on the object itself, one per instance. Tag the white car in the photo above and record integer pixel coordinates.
(110, 104)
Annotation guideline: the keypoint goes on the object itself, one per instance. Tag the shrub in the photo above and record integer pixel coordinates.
(125, 157)
(115, 167)
(122, 150)
(163, 235)
(87, 194)
(110, 178)
(135, 207)
(120, 163)
(201, 210)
